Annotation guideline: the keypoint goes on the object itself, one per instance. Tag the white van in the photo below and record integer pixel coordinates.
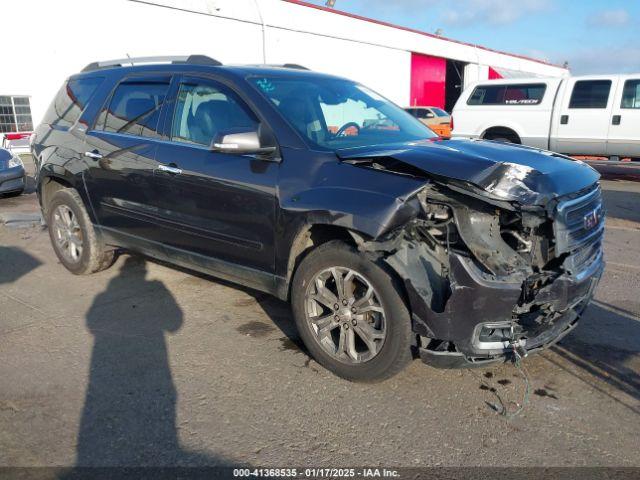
(590, 115)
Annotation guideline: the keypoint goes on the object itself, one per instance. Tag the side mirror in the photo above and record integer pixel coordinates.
(242, 143)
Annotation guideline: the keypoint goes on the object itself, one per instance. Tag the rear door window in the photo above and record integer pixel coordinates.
(71, 100)
(134, 108)
(631, 94)
(517, 94)
(590, 94)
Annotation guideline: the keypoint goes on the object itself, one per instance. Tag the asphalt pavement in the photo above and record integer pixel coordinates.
(145, 364)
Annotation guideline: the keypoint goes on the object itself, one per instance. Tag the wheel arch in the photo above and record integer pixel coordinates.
(48, 185)
(53, 175)
(309, 237)
(500, 131)
(371, 218)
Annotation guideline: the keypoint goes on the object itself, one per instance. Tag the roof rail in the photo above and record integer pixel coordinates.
(184, 59)
(295, 65)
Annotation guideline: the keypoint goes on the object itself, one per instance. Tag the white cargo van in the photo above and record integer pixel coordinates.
(590, 115)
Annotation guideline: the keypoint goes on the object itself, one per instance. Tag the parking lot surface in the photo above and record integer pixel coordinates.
(145, 364)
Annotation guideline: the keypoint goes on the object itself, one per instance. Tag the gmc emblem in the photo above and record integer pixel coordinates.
(592, 219)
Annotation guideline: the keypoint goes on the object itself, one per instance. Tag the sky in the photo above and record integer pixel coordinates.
(594, 36)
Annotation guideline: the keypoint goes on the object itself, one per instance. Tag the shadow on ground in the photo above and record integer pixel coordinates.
(129, 415)
(278, 311)
(15, 263)
(604, 346)
(622, 204)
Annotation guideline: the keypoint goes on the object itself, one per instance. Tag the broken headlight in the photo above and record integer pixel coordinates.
(507, 181)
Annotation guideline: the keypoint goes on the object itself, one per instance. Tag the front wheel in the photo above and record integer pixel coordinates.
(350, 314)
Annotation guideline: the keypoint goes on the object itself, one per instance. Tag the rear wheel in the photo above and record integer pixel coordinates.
(501, 139)
(350, 314)
(72, 235)
(501, 134)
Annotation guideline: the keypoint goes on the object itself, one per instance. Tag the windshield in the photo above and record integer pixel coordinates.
(335, 114)
(439, 112)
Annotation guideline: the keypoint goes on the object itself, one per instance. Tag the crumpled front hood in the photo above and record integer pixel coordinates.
(505, 171)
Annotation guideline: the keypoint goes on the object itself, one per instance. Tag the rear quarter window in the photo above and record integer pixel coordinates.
(520, 94)
(71, 100)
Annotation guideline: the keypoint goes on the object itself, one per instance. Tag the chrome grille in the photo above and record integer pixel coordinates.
(579, 227)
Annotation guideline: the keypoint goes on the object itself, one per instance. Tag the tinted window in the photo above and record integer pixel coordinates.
(631, 94)
(205, 112)
(135, 108)
(70, 101)
(590, 94)
(521, 94)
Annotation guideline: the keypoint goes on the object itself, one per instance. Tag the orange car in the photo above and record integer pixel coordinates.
(433, 117)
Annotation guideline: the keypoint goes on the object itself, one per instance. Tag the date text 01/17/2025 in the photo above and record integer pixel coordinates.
(316, 472)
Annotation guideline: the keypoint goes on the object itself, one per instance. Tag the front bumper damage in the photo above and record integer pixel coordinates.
(481, 318)
(473, 307)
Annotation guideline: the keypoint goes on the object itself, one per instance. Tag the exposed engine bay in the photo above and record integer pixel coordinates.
(486, 270)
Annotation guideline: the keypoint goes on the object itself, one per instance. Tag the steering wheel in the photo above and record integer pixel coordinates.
(344, 127)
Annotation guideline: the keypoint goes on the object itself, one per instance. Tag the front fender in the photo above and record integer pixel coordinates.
(322, 190)
(369, 213)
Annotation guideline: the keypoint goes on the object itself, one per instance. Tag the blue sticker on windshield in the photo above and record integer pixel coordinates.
(265, 85)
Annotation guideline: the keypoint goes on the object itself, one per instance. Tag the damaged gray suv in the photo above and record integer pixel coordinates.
(389, 242)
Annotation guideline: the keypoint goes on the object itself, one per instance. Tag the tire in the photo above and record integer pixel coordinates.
(384, 357)
(68, 219)
(501, 139)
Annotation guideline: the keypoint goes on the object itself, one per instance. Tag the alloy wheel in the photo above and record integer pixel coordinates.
(67, 233)
(345, 315)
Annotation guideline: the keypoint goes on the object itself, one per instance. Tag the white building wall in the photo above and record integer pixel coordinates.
(68, 34)
(474, 73)
(384, 70)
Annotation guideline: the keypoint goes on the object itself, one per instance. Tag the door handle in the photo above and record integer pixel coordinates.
(564, 119)
(169, 169)
(94, 154)
(616, 120)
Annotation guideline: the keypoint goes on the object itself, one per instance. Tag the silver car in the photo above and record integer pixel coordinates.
(12, 173)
